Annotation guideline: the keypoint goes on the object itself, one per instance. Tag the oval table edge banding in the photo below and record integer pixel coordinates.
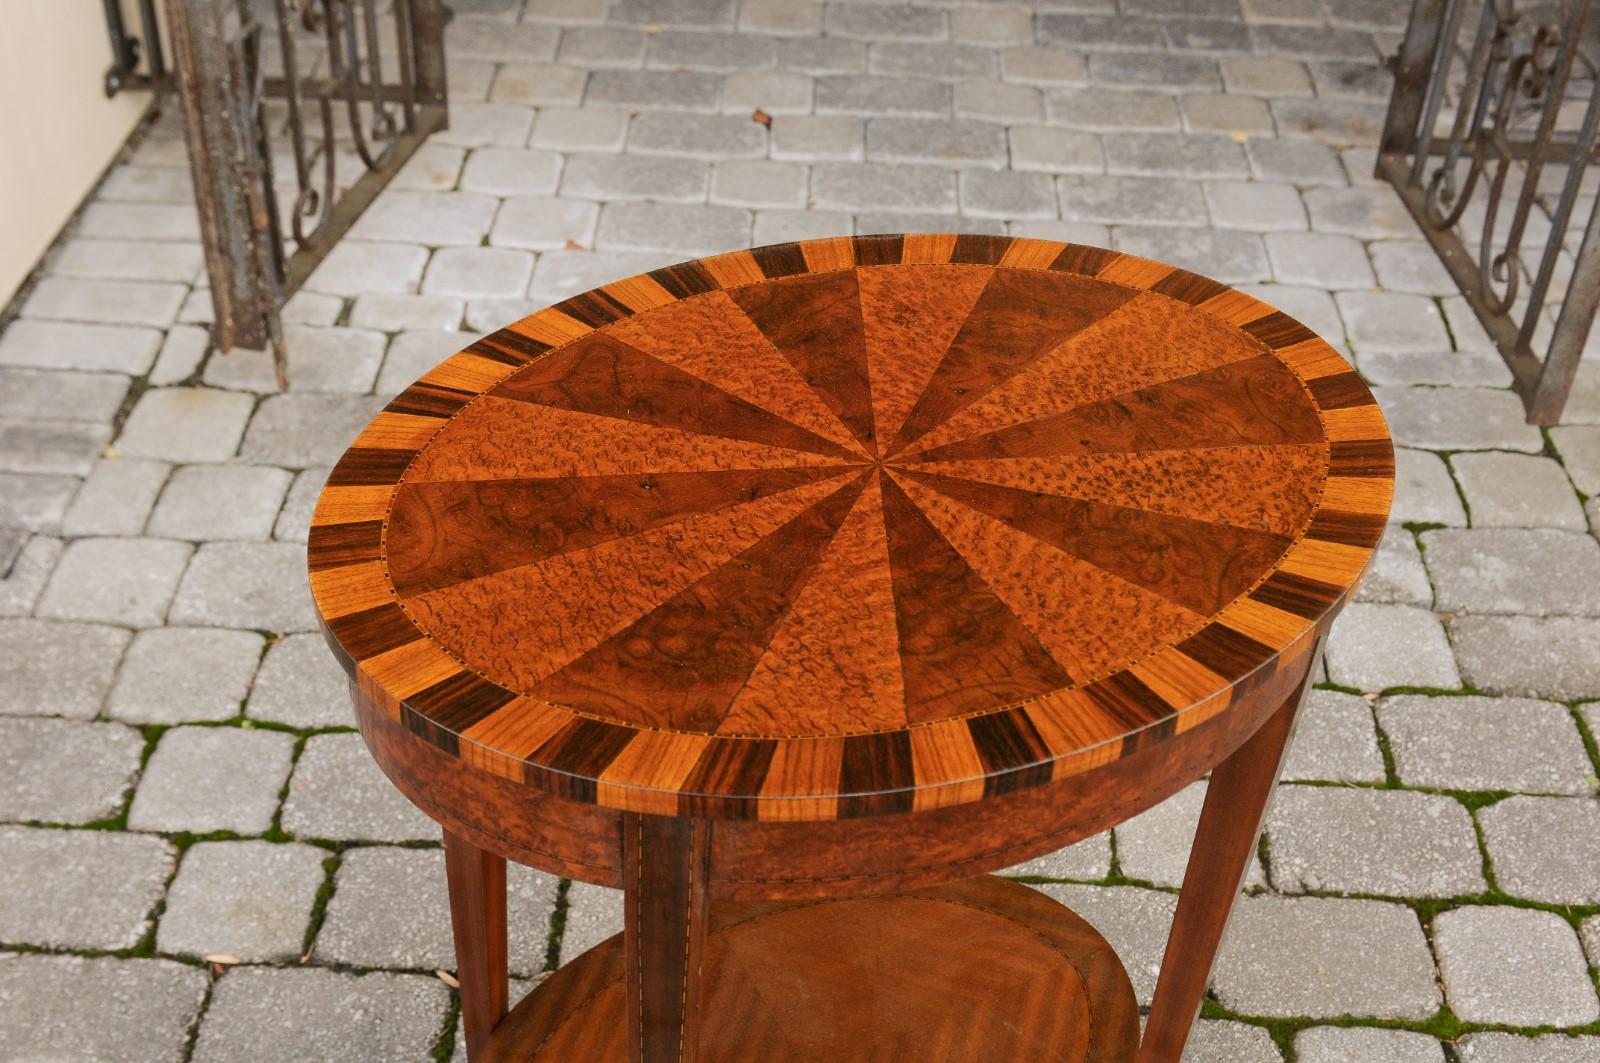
(888, 811)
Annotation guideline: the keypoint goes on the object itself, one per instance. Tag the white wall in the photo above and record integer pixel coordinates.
(57, 129)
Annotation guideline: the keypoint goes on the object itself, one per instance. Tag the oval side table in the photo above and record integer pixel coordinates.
(794, 590)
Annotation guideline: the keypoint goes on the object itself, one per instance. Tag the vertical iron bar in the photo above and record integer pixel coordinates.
(429, 21)
(203, 32)
(1443, 54)
(155, 57)
(1411, 76)
(1572, 330)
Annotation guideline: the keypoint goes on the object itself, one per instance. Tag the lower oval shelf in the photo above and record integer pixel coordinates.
(981, 970)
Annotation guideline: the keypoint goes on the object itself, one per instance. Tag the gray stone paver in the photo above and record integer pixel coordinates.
(1486, 744)
(1335, 741)
(1239, 139)
(116, 497)
(65, 771)
(202, 502)
(83, 889)
(246, 585)
(1087, 860)
(1552, 657)
(337, 1016)
(338, 793)
(178, 675)
(1518, 491)
(1336, 1044)
(191, 766)
(1515, 966)
(250, 899)
(55, 669)
(301, 685)
(1330, 971)
(390, 909)
(1528, 571)
(115, 581)
(1347, 840)
(1510, 1048)
(1214, 1041)
(70, 1007)
(594, 913)
(1134, 921)
(1374, 647)
(1545, 848)
(185, 424)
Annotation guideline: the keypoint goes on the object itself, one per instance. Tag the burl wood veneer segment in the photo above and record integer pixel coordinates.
(791, 531)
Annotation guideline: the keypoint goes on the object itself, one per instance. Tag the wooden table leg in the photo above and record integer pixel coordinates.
(478, 917)
(665, 867)
(1224, 841)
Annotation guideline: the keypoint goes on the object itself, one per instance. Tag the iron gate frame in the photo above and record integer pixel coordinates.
(222, 85)
(1482, 134)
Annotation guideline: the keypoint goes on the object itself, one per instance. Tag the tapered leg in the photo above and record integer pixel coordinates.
(478, 917)
(1226, 837)
(665, 865)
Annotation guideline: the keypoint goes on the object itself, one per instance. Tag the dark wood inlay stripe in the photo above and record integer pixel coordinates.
(1021, 316)
(333, 545)
(508, 347)
(602, 375)
(815, 322)
(581, 751)
(460, 701)
(370, 467)
(1084, 259)
(780, 260)
(443, 532)
(1278, 330)
(1297, 594)
(682, 664)
(1252, 401)
(374, 631)
(879, 250)
(1011, 750)
(879, 772)
(979, 250)
(1368, 458)
(1229, 653)
(596, 308)
(1351, 529)
(1340, 391)
(1128, 701)
(1195, 564)
(1188, 287)
(430, 400)
(961, 647)
(685, 279)
(731, 767)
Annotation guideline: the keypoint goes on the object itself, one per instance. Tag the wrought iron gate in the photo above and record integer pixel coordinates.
(297, 113)
(1489, 138)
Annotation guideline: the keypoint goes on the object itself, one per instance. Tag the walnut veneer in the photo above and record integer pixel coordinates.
(845, 568)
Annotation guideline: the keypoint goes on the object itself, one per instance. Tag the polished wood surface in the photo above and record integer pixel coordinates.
(1237, 798)
(478, 918)
(815, 859)
(849, 528)
(973, 972)
(666, 917)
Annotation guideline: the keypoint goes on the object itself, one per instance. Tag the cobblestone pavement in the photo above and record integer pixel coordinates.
(178, 773)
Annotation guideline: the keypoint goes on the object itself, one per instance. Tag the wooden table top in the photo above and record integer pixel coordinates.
(951, 514)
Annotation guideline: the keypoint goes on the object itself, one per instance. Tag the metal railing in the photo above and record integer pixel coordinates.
(339, 92)
(1486, 149)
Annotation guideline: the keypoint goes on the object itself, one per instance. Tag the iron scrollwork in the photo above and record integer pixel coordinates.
(1517, 74)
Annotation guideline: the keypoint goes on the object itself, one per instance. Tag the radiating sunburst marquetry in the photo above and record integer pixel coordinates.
(849, 526)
